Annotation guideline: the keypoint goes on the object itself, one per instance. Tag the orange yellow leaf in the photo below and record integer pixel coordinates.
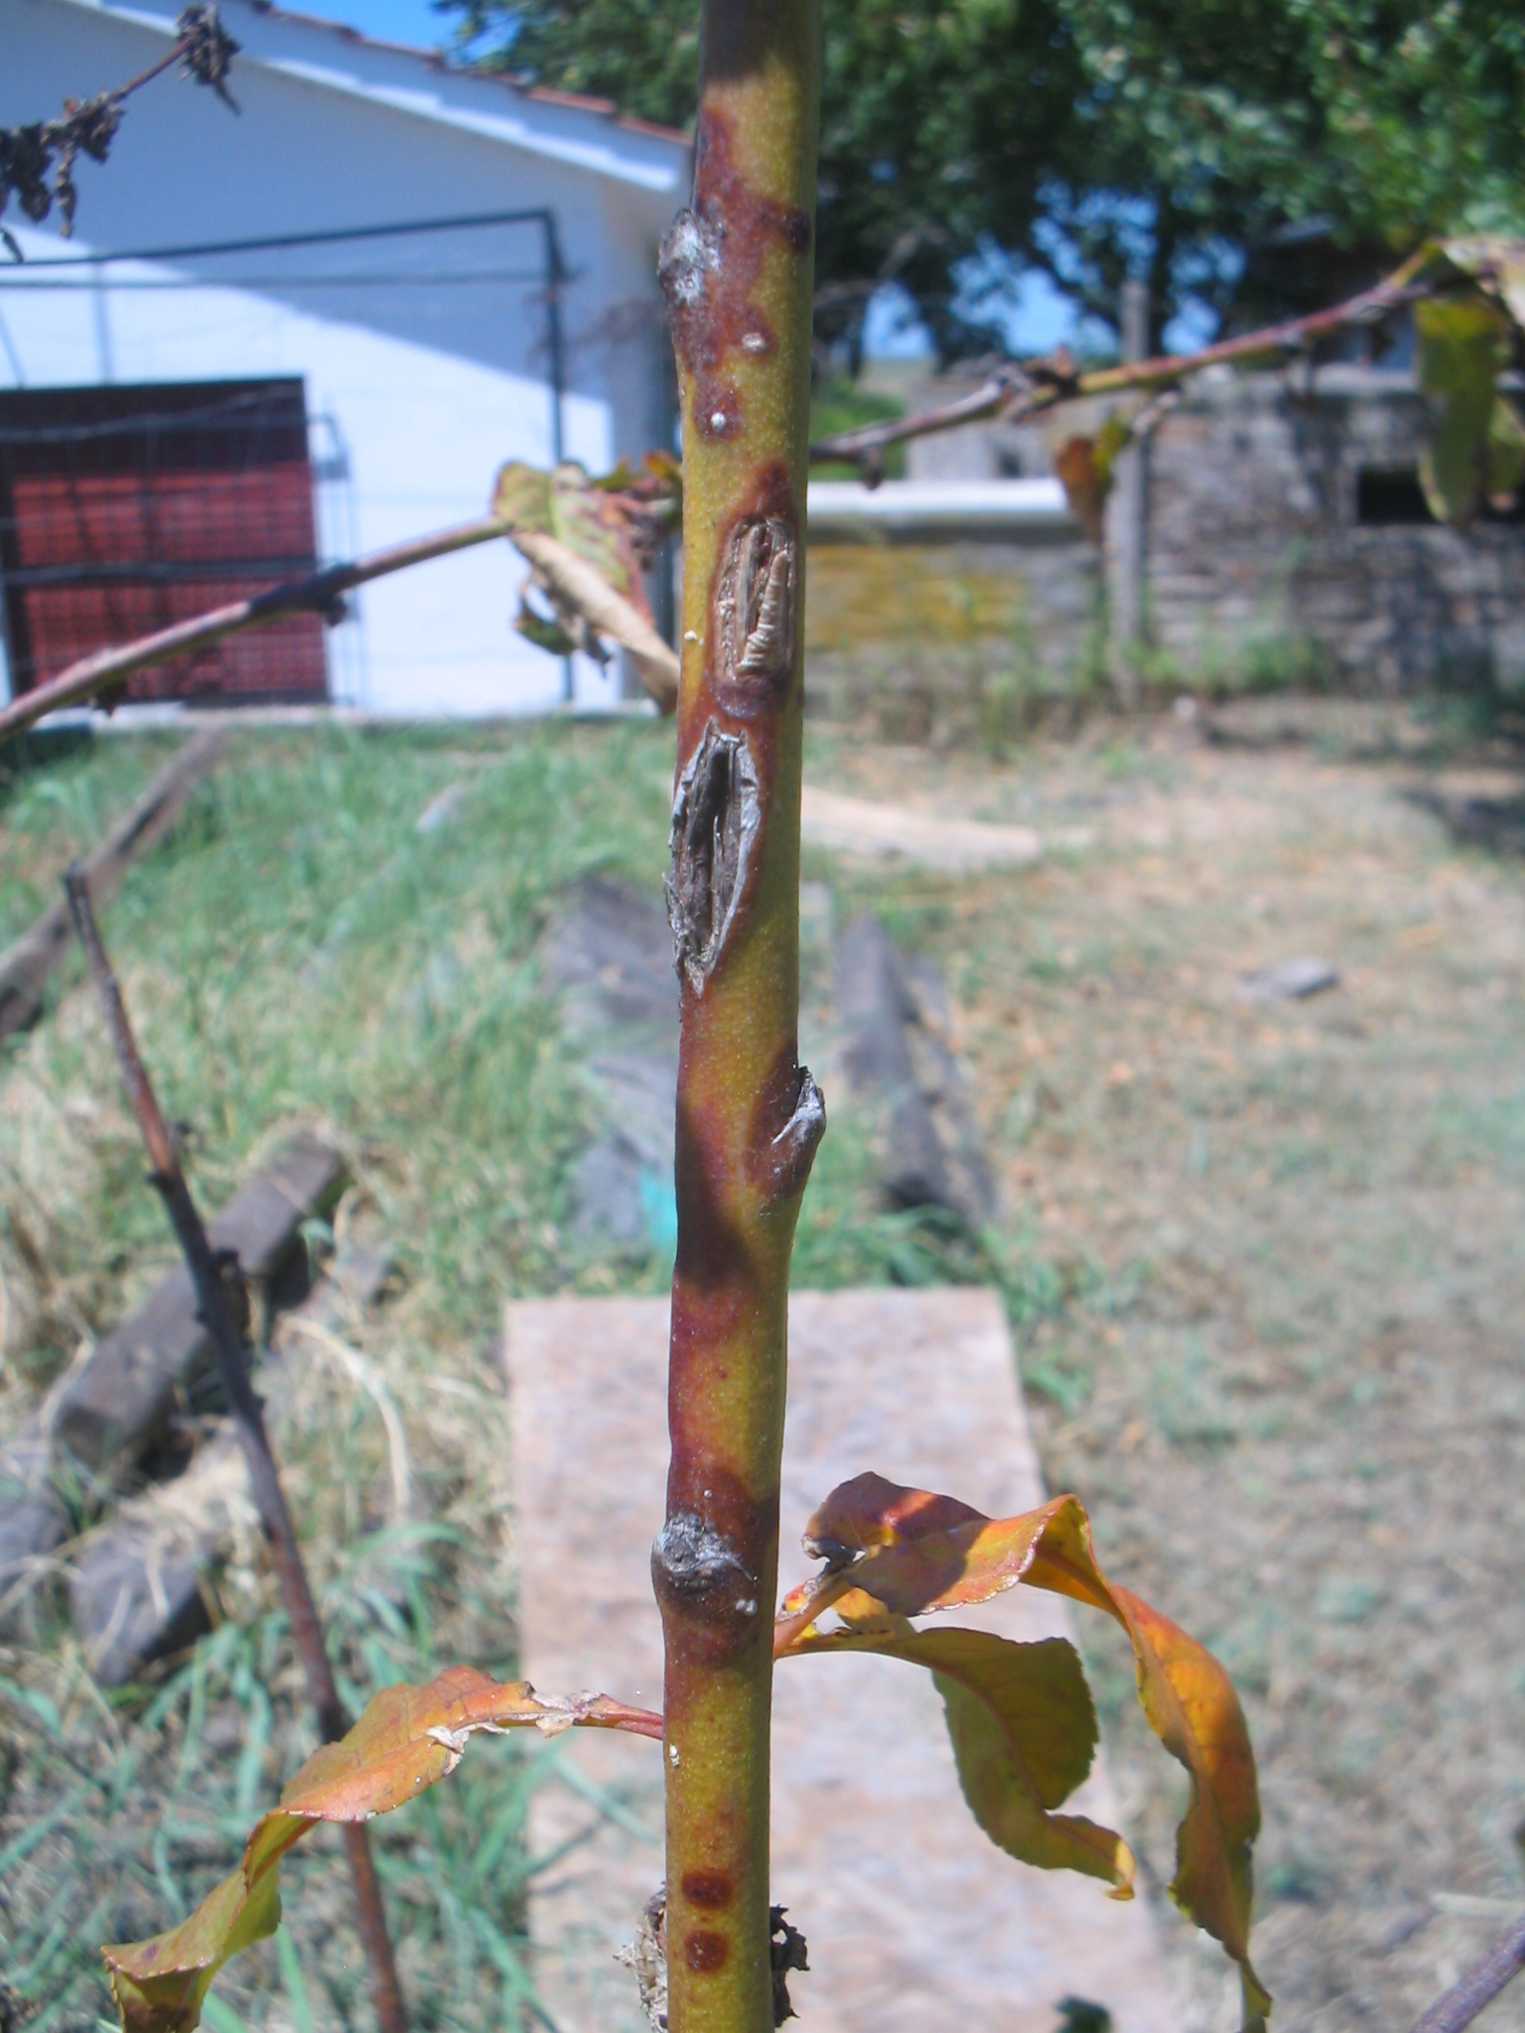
(1085, 489)
(909, 1552)
(1023, 1732)
(407, 1739)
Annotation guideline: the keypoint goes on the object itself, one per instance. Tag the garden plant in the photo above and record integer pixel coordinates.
(737, 274)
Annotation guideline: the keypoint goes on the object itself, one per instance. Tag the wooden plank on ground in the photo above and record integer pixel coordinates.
(26, 967)
(121, 1395)
(915, 1922)
(99, 1419)
(138, 1586)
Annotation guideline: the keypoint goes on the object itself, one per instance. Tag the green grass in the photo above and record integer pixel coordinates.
(302, 954)
(58, 796)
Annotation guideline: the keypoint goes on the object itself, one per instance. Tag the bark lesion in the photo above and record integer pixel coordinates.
(790, 1151)
(716, 825)
(756, 602)
(699, 1573)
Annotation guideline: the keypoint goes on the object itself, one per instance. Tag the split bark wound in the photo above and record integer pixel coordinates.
(715, 820)
(756, 605)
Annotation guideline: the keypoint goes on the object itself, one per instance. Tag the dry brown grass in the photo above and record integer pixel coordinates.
(1301, 1428)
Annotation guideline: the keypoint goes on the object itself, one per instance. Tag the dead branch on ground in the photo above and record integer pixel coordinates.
(222, 1300)
(1478, 1988)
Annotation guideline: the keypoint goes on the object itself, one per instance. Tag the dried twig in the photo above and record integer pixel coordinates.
(31, 154)
(223, 1305)
(1479, 1987)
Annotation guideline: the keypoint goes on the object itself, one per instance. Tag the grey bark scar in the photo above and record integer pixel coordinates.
(756, 603)
(716, 818)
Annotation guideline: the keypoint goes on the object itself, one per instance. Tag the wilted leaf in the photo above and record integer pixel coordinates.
(1114, 437)
(589, 520)
(1023, 1732)
(586, 607)
(544, 631)
(1086, 465)
(666, 469)
(583, 541)
(918, 1552)
(1084, 488)
(521, 496)
(1506, 454)
(1463, 343)
(407, 1739)
(659, 477)
(1495, 264)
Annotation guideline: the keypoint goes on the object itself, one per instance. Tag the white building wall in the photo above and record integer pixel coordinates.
(419, 389)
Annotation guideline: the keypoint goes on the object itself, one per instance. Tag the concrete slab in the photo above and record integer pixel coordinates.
(916, 1923)
(879, 832)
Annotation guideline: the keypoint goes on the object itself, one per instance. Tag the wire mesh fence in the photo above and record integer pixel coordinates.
(189, 426)
(124, 510)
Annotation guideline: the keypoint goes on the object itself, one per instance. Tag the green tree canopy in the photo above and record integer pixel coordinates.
(1093, 139)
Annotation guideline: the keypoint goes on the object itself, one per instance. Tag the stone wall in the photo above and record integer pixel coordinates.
(1283, 517)
(1285, 538)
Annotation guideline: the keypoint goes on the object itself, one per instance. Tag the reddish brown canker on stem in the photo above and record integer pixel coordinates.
(711, 267)
(737, 272)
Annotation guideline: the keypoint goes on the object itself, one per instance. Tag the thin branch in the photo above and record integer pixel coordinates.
(1019, 392)
(1016, 393)
(317, 593)
(321, 593)
(636, 1722)
(218, 1286)
(1479, 1987)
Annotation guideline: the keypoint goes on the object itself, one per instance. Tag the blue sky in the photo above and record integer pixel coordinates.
(390, 20)
(1040, 317)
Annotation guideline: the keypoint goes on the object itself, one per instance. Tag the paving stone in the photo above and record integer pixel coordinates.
(915, 1922)
(608, 955)
(901, 1057)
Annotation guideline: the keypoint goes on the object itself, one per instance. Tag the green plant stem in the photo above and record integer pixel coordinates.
(737, 270)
